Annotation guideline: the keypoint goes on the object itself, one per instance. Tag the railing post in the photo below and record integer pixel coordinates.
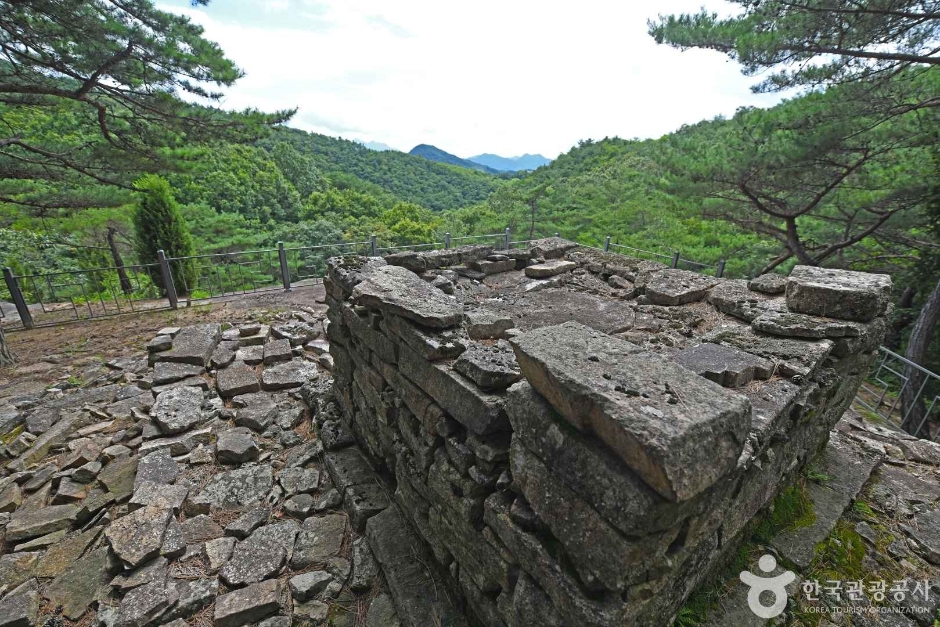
(675, 260)
(506, 238)
(721, 269)
(17, 295)
(167, 280)
(372, 243)
(447, 240)
(607, 244)
(285, 272)
(556, 233)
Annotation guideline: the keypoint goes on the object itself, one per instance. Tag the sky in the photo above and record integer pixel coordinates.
(499, 76)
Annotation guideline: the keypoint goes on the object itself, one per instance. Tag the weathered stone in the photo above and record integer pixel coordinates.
(257, 416)
(478, 411)
(194, 345)
(363, 502)
(551, 247)
(550, 268)
(30, 524)
(791, 357)
(238, 378)
(178, 410)
(319, 538)
(296, 332)
(20, 608)
(247, 605)
(328, 501)
(86, 473)
(177, 445)
(316, 613)
(789, 324)
(200, 528)
(78, 586)
(221, 357)
(299, 506)
(364, 567)
(137, 537)
(159, 344)
(308, 585)
(412, 586)
(398, 291)
(236, 446)
(347, 467)
(488, 266)
(769, 283)
(145, 605)
(59, 556)
(41, 542)
(291, 374)
(242, 526)
(736, 299)
(430, 345)
(11, 498)
(253, 335)
(486, 324)
(677, 287)
(192, 596)
(336, 434)
(678, 432)
(253, 560)
(158, 467)
(149, 494)
(492, 367)
(251, 355)
(382, 612)
(152, 571)
(167, 372)
(218, 552)
(15, 568)
(725, 365)
(277, 351)
(838, 293)
(233, 489)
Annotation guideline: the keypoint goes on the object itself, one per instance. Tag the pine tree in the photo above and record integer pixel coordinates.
(160, 225)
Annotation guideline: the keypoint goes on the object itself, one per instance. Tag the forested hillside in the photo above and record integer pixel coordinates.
(433, 153)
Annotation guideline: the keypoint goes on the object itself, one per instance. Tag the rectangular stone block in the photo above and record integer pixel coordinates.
(838, 293)
(401, 292)
(680, 432)
(478, 411)
(194, 345)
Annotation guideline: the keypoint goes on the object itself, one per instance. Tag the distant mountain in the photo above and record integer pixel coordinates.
(433, 153)
(375, 145)
(514, 164)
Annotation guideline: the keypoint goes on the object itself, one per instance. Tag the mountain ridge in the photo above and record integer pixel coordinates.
(433, 153)
(510, 164)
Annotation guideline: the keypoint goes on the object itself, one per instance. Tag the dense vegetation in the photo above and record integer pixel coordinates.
(433, 153)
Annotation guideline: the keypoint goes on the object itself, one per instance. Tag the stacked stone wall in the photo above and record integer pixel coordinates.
(565, 475)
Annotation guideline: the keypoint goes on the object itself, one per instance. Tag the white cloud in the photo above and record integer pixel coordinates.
(489, 76)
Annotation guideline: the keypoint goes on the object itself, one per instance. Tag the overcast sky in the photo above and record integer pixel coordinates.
(500, 76)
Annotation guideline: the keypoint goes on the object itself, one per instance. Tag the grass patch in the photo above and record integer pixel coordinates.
(706, 598)
(840, 555)
(792, 509)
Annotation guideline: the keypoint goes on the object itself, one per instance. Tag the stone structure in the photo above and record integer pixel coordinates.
(576, 437)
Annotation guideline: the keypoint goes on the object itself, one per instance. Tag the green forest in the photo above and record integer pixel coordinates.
(844, 174)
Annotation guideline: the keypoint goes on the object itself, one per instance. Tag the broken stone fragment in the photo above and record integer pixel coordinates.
(178, 410)
(790, 324)
(835, 293)
(137, 537)
(677, 287)
(20, 608)
(287, 375)
(247, 605)
(725, 365)
(253, 560)
(167, 372)
(276, 351)
(233, 489)
(485, 324)
(551, 247)
(236, 446)
(39, 522)
(735, 299)
(769, 284)
(396, 290)
(679, 432)
(491, 367)
(791, 356)
(194, 345)
(550, 268)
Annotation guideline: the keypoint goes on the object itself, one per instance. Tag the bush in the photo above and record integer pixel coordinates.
(159, 225)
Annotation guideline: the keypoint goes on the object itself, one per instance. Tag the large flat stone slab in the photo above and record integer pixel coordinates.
(233, 489)
(419, 599)
(399, 291)
(725, 365)
(287, 375)
(678, 431)
(550, 268)
(238, 378)
(847, 465)
(838, 293)
(137, 537)
(39, 522)
(678, 287)
(78, 586)
(791, 356)
(194, 345)
(247, 605)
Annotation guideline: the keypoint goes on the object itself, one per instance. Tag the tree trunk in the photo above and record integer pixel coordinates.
(903, 317)
(126, 286)
(6, 355)
(912, 403)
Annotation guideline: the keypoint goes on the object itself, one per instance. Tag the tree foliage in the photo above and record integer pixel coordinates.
(159, 225)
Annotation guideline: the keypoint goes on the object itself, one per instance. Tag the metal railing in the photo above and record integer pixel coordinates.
(900, 392)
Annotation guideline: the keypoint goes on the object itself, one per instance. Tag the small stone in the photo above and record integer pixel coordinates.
(218, 552)
(398, 291)
(149, 494)
(137, 537)
(233, 489)
(244, 525)
(364, 567)
(312, 612)
(257, 417)
(153, 571)
(769, 284)
(178, 410)
(11, 498)
(319, 538)
(299, 506)
(200, 529)
(362, 502)
(144, 605)
(157, 467)
(238, 378)
(194, 345)
(677, 287)
(308, 585)
(159, 344)
(247, 605)
(484, 324)
(251, 355)
(193, 596)
(491, 367)
(85, 473)
(253, 560)
(277, 351)
(291, 374)
(329, 500)
(550, 268)
(236, 447)
(174, 545)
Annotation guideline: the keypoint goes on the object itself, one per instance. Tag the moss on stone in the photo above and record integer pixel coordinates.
(707, 598)
(12, 435)
(792, 509)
